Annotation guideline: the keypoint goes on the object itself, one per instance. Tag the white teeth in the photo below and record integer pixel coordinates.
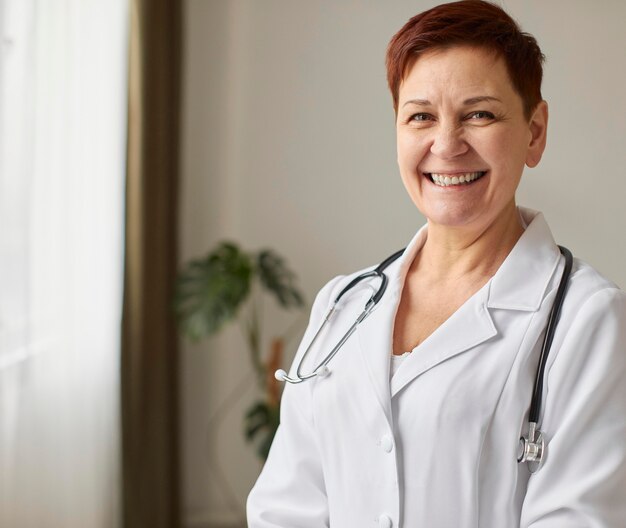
(444, 181)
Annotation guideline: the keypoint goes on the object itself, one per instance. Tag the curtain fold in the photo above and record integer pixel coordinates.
(149, 338)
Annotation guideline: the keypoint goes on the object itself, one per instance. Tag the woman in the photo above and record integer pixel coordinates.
(418, 422)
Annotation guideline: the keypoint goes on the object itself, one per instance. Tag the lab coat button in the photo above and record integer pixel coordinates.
(384, 521)
(386, 443)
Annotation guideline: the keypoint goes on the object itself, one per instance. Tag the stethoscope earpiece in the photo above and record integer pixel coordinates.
(323, 372)
(280, 375)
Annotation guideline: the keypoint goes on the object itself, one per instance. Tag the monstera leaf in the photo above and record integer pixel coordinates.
(209, 291)
(278, 279)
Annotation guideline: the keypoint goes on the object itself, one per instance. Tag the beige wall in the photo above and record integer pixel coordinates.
(289, 143)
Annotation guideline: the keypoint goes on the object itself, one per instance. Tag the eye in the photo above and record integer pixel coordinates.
(481, 114)
(421, 117)
(421, 120)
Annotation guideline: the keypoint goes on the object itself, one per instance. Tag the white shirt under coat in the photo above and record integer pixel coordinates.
(436, 446)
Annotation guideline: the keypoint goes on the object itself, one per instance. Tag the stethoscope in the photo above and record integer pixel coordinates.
(532, 447)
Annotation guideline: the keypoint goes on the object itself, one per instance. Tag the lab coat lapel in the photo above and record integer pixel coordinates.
(466, 329)
(375, 341)
(375, 334)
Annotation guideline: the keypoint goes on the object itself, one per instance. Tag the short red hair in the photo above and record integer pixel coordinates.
(473, 23)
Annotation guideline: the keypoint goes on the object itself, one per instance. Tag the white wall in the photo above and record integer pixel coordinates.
(289, 143)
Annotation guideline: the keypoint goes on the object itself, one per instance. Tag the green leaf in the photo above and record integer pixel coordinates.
(210, 290)
(278, 279)
(260, 425)
(259, 411)
(263, 449)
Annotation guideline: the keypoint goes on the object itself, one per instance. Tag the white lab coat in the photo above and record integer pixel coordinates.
(436, 447)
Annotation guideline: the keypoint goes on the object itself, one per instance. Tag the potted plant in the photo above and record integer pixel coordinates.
(211, 291)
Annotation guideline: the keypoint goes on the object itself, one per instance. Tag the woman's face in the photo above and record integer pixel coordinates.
(463, 139)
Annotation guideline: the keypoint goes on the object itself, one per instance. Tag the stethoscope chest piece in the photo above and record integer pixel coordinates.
(532, 448)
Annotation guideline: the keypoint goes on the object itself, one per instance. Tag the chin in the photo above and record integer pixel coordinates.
(452, 216)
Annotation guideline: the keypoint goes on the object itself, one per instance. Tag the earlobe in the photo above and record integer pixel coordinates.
(538, 127)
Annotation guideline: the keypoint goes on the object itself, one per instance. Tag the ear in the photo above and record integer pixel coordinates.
(538, 127)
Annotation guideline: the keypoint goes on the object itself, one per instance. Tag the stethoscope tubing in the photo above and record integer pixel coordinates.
(322, 368)
(535, 404)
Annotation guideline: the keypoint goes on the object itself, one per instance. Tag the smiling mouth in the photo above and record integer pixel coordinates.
(449, 180)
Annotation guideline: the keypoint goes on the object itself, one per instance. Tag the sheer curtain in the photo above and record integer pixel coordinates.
(62, 163)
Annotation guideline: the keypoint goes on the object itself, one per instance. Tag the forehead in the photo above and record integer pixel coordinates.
(460, 71)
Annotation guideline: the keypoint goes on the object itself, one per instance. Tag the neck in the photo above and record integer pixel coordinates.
(457, 253)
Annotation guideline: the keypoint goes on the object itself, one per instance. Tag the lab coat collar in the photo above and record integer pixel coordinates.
(523, 278)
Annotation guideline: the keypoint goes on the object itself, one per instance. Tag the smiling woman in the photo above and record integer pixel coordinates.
(417, 418)
(460, 117)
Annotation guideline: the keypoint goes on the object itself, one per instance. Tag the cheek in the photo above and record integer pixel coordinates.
(410, 150)
(503, 150)
(515, 146)
(515, 161)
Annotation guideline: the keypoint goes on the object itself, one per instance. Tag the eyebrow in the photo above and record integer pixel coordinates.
(467, 102)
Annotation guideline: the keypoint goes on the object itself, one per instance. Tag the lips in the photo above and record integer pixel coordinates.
(456, 179)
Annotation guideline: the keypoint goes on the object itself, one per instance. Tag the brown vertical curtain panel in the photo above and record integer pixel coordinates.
(149, 338)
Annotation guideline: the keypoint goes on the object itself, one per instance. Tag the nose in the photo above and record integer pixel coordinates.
(448, 142)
